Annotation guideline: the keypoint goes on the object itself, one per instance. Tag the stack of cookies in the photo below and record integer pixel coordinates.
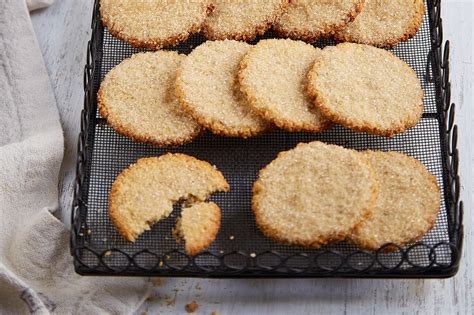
(156, 24)
(313, 195)
(239, 90)
(317, 194)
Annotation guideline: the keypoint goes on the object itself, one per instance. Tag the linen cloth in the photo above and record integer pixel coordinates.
(36, 271)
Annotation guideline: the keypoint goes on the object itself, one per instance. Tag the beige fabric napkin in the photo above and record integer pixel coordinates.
(36, 274)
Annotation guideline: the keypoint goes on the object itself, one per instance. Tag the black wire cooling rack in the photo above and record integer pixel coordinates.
(240, 249)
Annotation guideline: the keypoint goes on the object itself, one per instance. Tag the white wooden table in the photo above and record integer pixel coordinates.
(63, 31)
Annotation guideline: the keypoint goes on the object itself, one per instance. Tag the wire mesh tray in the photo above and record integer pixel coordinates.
(240, 249)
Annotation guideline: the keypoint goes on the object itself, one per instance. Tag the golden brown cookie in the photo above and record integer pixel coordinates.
(407, 205)
(207, 88)
(385, 23)
(313, 195)
(138, 100)
(145, 192)
(198, 226)
(242, 19)
(273, 78)
(309, 20)
(153, 23)
(366, 89)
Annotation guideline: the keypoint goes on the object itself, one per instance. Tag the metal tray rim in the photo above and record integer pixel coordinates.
(449, 136)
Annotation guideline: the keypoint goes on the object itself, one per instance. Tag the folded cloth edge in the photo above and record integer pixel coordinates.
(38, 4)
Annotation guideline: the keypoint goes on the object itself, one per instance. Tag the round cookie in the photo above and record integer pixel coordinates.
(153, 23)
(242, 20)
(366, 89)
(207, 87)
(309, 20)
(273, 78)
(137, 98)
(313, 195)
(407, 205)
(145, 192)
(385, 23)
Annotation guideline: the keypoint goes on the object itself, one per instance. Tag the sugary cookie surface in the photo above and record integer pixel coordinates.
(313, 195)
(366, 89)
(138, 100)
(407, 205)
(153, 23)
(310, 20)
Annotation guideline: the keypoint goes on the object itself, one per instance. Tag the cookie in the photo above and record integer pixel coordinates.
(313, 195)
(153, 24)
(407, 205)
(207, 87)
(385, 23)
(242, 20)
(137, 98)
(310, 20)
(198, 226)
(145, 192)
(366, 89)
(273, 78)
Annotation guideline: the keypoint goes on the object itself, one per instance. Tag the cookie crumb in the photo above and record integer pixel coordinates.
(108, 253)
(89, 231)
(176, 232)
(192, 307)
(153, 298)
(157, 281)
(214, 313)
(232, 237)
(253, 255)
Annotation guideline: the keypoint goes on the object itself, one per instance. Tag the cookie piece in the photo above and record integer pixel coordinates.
(242, 20)
(145, 192)
(273, 79)
(198, 226)
(207, 87)
(309, 20)
(385, 23)
(153, 24)
(407, 205)
(137, 98)
(366, 89)
(313, 195)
